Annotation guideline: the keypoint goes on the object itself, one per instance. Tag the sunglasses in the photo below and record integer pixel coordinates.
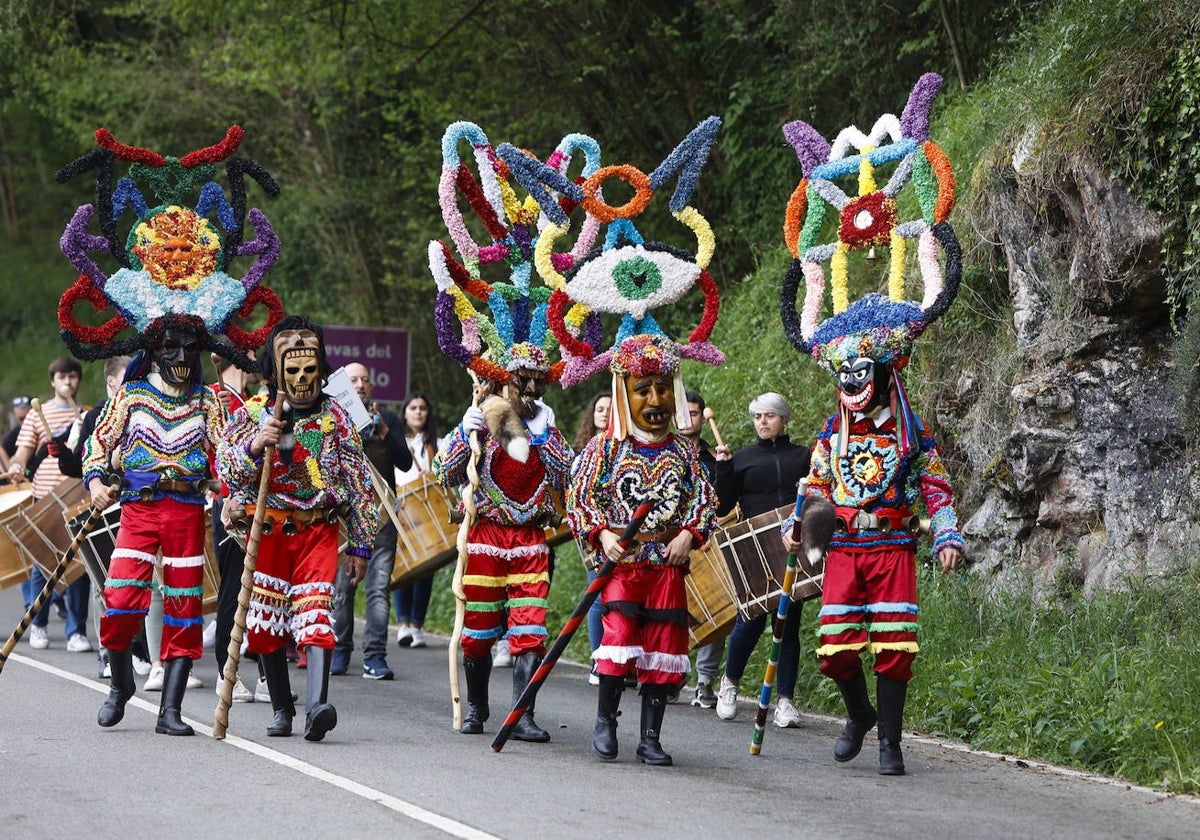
(18, 402)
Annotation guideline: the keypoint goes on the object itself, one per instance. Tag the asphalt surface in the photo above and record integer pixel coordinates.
(393, 767)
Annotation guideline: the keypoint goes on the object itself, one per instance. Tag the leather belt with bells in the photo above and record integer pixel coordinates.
(289, 521)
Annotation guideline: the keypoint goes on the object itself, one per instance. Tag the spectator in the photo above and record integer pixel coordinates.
(762, 477)
(420, 434)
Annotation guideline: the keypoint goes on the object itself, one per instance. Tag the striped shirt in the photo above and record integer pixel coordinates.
(60, 418)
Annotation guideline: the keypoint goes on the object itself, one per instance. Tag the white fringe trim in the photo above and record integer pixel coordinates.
(190, 562)
(618, 654)
(142, 556)
(303, 590)
(668, 663)
(273, 583)
(520, 551)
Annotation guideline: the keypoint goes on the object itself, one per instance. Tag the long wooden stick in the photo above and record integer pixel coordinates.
(781, 613)
(234, 652)
(564, 637)
(456, 585)
(95, 516)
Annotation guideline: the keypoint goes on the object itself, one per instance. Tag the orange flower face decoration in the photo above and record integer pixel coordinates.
(177, 247)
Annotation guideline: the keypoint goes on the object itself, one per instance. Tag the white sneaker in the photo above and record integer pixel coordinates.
(241, 694)
(209, 636)
(78, 643)
(786, 716)
(194, 682)
(263, 695)
(404, 635)
(593, 676)
(141, 667)
(154, 682)
(418, 638)
(727, 700)
(39, 639)
(501, 655)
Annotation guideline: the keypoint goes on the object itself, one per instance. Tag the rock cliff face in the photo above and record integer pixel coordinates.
(1093, 481)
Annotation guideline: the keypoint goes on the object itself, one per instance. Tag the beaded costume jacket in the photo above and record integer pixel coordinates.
(874, 474)
(327, 467)
(510, 493)
(149, 431)
(612, 478)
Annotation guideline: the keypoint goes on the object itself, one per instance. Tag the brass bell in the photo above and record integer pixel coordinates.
(289, 527)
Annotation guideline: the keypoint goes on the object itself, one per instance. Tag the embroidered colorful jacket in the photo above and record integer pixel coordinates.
(328, 467)
(875, 475)
(153, 432)
(612, 478)
(510, 493)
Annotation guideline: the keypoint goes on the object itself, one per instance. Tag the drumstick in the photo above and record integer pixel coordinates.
(37, 406)
(711, 417)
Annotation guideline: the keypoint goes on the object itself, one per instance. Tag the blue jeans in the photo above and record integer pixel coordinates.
(77, 596)
(412, 602)
(745, 636)
(595, 618)
(377, 582)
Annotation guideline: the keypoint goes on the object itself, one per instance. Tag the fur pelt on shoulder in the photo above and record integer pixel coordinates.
(506, 427)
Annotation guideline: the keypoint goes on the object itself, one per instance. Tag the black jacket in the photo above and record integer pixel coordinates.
(762, 476)
(391, 452)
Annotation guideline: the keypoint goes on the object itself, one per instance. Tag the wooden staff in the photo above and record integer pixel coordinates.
(456, 585)
(564, 637)
(234, 653)
(789, 578)
(94, 517)
(711, 417)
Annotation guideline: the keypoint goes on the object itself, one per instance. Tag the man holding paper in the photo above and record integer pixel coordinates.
(386, 449)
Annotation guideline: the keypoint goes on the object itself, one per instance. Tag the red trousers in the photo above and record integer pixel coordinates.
(177, 529)
(293, 589)
(508, 567)
(869, 603)
(645, 619)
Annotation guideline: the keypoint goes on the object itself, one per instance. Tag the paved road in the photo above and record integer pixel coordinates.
(394, 768)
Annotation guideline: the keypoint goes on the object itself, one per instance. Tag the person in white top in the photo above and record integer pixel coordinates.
(412, 602)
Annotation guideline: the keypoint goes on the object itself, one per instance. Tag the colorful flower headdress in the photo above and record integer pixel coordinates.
(880, 327)
(172, 264)
(626, 275)
(515, 336)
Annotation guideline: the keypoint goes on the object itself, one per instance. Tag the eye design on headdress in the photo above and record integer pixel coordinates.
(626, 275)
(875, 326)
(173, 263)
(514, 336)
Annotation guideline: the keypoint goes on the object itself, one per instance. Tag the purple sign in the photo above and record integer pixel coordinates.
(385, 352)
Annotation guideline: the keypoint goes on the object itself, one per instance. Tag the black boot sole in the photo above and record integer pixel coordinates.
(320, 723)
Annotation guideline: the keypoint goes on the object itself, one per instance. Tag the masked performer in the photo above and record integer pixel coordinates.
(640, 458)
(524, 456)
(173, 291)
(318, 472)
(876, 458)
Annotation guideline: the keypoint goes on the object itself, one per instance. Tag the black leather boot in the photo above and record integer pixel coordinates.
(478, 672)
(175, 675)
(654, 704)
(861, 717)
(526, 729)
(890, 695)
(322, 716)
(604, 739)
(120, 663)
(275, 668)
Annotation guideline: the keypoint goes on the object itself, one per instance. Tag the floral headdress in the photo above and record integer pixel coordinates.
(173, 263)
(626, 275)
(515, 336)
(880, 327)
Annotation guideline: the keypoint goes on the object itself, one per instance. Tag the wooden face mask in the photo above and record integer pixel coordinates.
(297, 361)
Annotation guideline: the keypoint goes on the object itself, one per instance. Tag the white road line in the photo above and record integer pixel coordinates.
(400, 806)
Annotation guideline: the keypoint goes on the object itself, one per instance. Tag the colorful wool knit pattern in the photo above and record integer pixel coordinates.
(612, 478)
(150, 431)
(510, 493)
(328, 467)
(873, 474)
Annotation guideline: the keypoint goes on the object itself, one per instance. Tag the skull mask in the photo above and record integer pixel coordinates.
(178, 357)
(298, 366)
